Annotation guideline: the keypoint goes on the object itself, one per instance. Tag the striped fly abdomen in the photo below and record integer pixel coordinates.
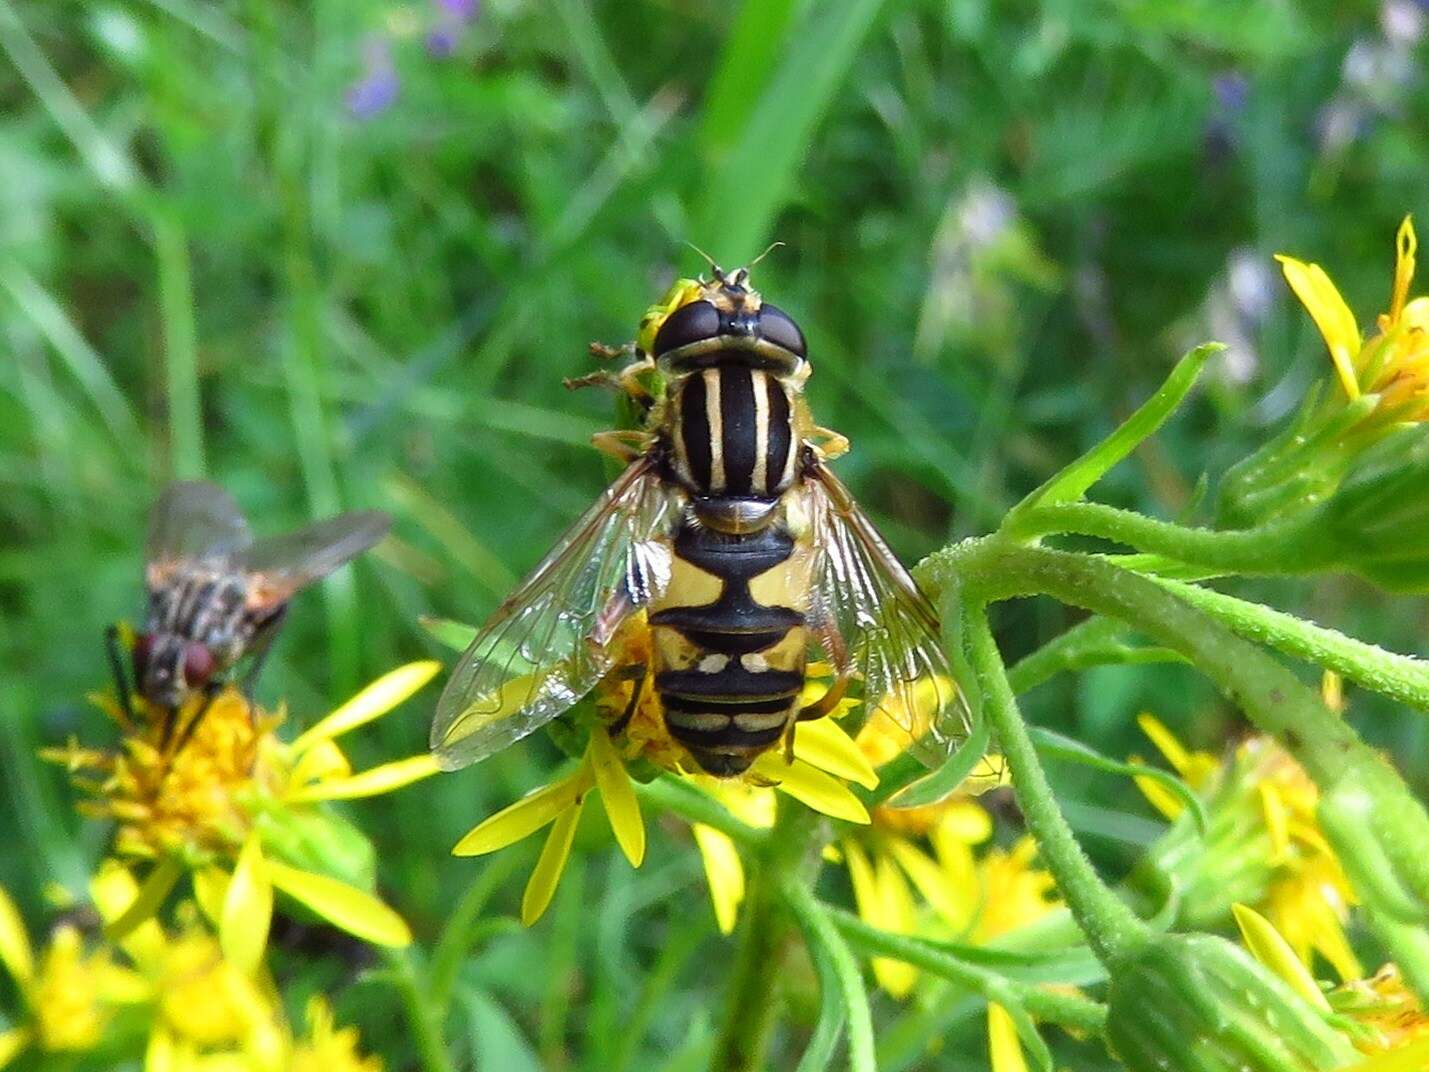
(730, 642)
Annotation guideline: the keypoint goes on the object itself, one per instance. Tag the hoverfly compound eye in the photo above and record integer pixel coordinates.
(198, 664)
(779, 328)
(695, 322)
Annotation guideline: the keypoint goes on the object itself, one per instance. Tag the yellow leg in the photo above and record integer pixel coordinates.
(827, 443)
(623, 445)
(626, 381)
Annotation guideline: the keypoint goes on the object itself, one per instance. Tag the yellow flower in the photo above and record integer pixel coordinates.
(70, 994)
(226, 808)
(1394, 364)
(824, 757)
(328, 1048)
(1264, 848)
(1380, 1015)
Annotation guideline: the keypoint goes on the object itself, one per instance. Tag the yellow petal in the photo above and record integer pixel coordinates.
(1332, 691)
(161, 1054)
(1160, 798)
(372, 702)
(323, 759)
(526, 816)
(113, 889)
(1411, 1058)
(369, 783)
(618, 796)
(15, 950)
(1165, 741)
(147, 900)
(966, 820)
(811, 787)
(724, 871)
(1331, 315)
(932, 882)
(247, 909)
(823, 742)
(1277, 822)
(210, 886)
(541, 887)
(12, 1043)
(344, 906)
(1004, 1049)
(1406, 244)
(870, 895)
(1268, 947)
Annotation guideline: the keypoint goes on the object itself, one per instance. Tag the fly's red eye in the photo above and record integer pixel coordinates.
(198, 664)
(143, 646)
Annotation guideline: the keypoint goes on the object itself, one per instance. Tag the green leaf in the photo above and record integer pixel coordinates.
(1073, 481)
(946, 779)
(838, 971)
(1055, 744)
(455, 635)
(754, 181)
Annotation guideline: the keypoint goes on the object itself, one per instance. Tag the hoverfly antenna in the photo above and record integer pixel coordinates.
(767, 250)
(715, 268)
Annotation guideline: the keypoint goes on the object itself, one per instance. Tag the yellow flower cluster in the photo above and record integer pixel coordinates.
(170, 993)
(1394, 363)
(213, 801)
(1264, 845)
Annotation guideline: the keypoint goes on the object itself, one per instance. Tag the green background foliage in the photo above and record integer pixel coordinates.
(1002, 221)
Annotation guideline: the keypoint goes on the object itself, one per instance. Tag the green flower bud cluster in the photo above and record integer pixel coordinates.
(1198, 1003)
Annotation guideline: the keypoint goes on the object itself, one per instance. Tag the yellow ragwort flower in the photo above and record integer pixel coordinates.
(1380, 1014)
(1264, 847)
(328, 1048)
(216, 807)
(824, 758)
(1394, 364)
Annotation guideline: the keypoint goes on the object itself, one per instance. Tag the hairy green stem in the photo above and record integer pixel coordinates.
(838, 972)
(1291, 546)
(1053, 1006)
(1094, 642)
(1376, 823)
(1112, 929)
(1400, 677)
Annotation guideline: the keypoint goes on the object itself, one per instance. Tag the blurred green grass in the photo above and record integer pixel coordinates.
(1002, 221)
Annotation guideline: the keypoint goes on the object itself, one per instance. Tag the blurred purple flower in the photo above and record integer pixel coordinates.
(375, 91)
(452, 18)
(1232, 90)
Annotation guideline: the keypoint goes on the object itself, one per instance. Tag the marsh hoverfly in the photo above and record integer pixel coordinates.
(730, 539)
(216, 595)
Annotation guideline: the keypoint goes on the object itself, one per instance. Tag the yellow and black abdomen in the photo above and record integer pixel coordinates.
(730, 642)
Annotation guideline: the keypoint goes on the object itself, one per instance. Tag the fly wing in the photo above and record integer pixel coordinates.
(875, 623)
(548, 644)
(193, 521)
(279, 566)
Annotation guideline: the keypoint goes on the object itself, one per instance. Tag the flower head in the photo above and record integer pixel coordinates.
(1263, 846)
(628, 732)
(228, 801)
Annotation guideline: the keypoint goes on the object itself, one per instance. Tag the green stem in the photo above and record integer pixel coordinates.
(1400, 677)
(838, 973)
(787, 853)
(1112, 929)
(426, 1035)
(1053, 1006)
(457, 937)
(1291, 546)
(186, 453)
(1094, 642)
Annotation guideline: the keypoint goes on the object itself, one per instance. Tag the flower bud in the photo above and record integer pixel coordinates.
(1378, 520)
(1198, 1003)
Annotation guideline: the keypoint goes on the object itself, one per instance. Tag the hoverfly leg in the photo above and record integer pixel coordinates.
(639, 673)
(623, 445)
(825, 704)
(605, 352)
(830, 444)
(121, 680)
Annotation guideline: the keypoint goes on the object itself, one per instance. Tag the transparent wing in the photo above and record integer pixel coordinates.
(280, 565)
(193, 521)
(547, 645)
(873, 622)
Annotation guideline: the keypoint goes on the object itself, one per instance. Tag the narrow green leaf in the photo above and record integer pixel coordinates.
(947, 778)
(838, 970)
(1054, 744)
(1073, 481)
(747, 61)
(455, 635)
(755, 180)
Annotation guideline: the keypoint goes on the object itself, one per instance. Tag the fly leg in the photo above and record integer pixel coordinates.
(638, 674)
(210, 693)
(825, 704)
(827, 443)
(623, 445)
(115, 652)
